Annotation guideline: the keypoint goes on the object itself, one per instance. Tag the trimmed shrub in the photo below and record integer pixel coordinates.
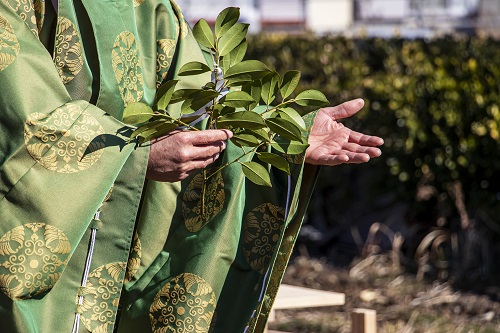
(437, 105)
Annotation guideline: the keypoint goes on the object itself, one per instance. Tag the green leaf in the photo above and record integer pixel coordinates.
(137, 113)
(235, 56)
(237, 99)
(291, 115)
(256, 173)
(284, 128)
(245, 140)
(311, 98)
(254, 68)
(198, 100)
(243, 119)
(225, 20)
(275, 160)
(238, 54)
(260, 134)
(203, 34)
(209, 86)
(232, 38)
(290, 83)
(194, 68)
(137, 118)
(239, 80)
(270, 87)
(175, 113)
(157, 132)
(146, 127)
(226, 110)
(182, 94)
(163, 89)
(165, 93)
(254, 89)
(289, 147)
(188, 119)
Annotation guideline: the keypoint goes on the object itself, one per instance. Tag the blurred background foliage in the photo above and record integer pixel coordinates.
(435, 190)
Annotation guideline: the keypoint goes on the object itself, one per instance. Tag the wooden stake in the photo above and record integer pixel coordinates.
(364, 321)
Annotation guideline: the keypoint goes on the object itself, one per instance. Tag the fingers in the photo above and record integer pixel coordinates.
(177, 155)
(351, 153)
(356, 158)
(347, 157)
(206, 151)
(202, 163)
(345, 110)
(183, 170)
(365, 140)
(200, 146)
(328, 160)
(355, 148)
(207, 137)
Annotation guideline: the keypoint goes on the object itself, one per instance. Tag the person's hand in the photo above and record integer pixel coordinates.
(331, 143)
(175, 156)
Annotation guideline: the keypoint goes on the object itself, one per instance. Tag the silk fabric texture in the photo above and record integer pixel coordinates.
(73, 192)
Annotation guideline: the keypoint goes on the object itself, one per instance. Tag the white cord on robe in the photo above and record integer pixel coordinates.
(287, 208)
(86, 272)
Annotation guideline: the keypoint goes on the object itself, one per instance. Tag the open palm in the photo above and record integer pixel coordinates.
(331, 143)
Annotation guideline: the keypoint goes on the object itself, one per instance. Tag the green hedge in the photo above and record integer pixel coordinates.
(435, 102)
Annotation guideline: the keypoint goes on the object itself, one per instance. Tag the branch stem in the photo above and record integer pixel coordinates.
(179, 122)
(235, 161)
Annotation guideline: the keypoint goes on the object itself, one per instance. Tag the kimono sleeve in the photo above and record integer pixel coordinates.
(58, 160)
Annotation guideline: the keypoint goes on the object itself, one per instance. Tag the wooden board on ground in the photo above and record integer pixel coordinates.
(292, 297)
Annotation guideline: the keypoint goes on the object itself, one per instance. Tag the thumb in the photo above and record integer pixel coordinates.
(345, 110)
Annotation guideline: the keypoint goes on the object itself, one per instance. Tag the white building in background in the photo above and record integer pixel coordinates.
(209, 9)
(414, 18)
(278, 15)
(488, 21)
(287, 15)
(382, 10)
(329, 15)
(408, 18)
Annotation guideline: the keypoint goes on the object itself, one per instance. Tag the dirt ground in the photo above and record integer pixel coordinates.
(403, 303)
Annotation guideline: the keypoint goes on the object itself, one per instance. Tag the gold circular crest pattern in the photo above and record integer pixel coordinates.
(134, 259)
(165, 53)
(261, 231)
(68, 52)
(59, 141)
(32, 258)
(214, 198)
(126, 64)
(137, 3)
(26, 11)
(185, 304)
(9, 45)
(100, 303)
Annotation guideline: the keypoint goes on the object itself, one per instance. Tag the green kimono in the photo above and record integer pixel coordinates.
(87, 244)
